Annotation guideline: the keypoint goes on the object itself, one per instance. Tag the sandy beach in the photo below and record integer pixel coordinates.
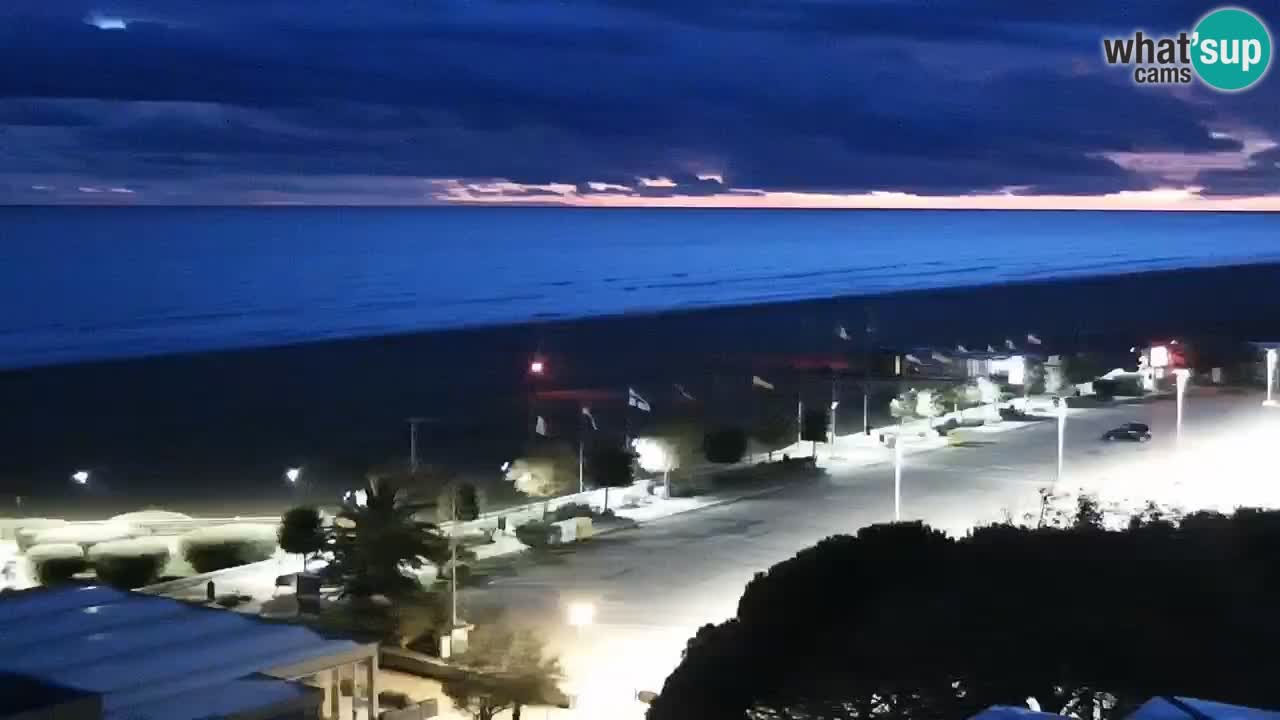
(212, 433)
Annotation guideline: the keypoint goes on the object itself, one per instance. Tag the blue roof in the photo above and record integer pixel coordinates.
(139, 652)
(1161, 708)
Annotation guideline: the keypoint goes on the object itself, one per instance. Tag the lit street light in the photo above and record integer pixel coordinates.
(581, 614)
(537, 367)
(1271, 377)
(80, 477)
(292, 475)
(1181, 375)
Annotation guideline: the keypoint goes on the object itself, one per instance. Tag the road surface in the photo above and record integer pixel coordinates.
(654, 585)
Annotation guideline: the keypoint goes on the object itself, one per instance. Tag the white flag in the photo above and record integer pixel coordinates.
(758, 381)
(1009, 344)
(683, 393)
(587, 412)
(635, 401)
(961, 348)
(1033, 339)
(940, 357)
(540, 426)
(842, 333)
(990, 349)
(911, 359)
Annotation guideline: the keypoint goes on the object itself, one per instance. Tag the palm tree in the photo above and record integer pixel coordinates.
(377, 537)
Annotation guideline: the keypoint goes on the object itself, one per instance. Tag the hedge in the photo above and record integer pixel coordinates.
(224, 546)
(129, 564)
(55, 564)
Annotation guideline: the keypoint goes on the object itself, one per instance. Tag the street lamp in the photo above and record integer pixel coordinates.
(1181, 375)
(1062, 433)
(1271, 377)
(292, 475)
(897, 476)
(834, 404)
(80, 477)
(581, 614)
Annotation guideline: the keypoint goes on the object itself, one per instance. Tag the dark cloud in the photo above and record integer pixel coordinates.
(933, 98)
(1261, 177)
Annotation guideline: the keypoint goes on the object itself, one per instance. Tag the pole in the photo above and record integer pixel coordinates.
(834, 402)
(1271, 377)
(581, 483)
(413, 445)
(666, 482)
(453, 564)
(1181, 378)
(897, 474)
(866, 412)
(799, 419)
(1062, 433)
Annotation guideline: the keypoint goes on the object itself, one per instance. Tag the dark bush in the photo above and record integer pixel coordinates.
(394, 700)
(127, 572)
(725, 445)
(536, 534)
(572, 510)
(204, 556)
(54, 571)
(1105, 389)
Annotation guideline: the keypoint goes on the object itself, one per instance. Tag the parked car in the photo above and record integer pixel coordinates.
(1012, 413)
(1134, 431)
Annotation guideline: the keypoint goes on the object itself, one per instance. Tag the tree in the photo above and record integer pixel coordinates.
(775, 426)
(611, 467)
(510, 668)
(458, 501)
(547, 472)
(725, 446)
(814, 425)
(377, 540)
(902, 621)
(1081, 368)
(302, 532)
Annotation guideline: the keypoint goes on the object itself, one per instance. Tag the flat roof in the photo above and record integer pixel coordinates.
(19, 693)
(147, 655)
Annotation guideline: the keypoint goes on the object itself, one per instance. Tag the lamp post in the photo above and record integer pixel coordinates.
(897, 475)
(1180, 375)
(1271, 377)
(1062, 433)
(834, 404)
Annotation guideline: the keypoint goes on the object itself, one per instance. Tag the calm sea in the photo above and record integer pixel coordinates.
(95, 283)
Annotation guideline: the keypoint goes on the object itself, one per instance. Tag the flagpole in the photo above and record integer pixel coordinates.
(582, 433)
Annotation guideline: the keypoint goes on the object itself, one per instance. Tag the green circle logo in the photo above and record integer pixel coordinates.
(1231, 49)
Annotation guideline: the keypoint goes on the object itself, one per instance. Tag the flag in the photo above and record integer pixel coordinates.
(842, 333)
(757, 381)
(961, 348)
(683, 393)
(587, 412)
(1009, 344)
(540, 426)
(911, 359)
(635, 401)
(990, 349)
(1033, 339)
(940, 357)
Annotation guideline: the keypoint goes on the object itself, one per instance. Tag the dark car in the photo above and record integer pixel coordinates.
(1136, 432)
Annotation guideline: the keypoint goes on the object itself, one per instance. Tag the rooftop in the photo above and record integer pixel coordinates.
(154, 657)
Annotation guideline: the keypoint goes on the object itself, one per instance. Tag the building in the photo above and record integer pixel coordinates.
(94, 653)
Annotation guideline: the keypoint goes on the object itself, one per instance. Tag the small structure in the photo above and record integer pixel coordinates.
(144, 657)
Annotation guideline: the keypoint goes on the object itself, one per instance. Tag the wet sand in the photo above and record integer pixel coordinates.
(212, 433)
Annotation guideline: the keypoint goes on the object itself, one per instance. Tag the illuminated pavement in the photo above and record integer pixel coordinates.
(653, 586)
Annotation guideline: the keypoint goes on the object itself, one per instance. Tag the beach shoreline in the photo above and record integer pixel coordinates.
(212, 432)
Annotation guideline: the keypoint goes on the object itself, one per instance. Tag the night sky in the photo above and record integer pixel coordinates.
(960, 103)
